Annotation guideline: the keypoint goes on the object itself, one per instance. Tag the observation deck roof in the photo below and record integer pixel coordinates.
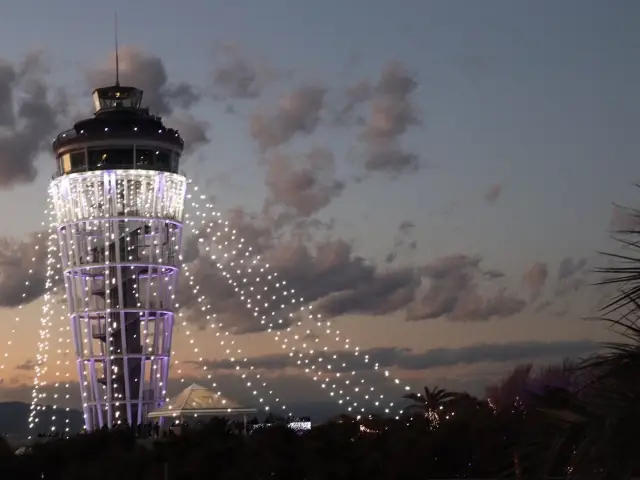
(119, 116)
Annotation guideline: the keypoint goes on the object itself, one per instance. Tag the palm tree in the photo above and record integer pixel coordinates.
(602, 421)
(431, 404)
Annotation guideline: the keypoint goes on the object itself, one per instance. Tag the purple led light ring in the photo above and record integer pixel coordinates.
(68, 223)
(85, 313)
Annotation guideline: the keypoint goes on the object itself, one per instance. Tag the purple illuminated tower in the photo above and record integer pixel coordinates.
(118, 203)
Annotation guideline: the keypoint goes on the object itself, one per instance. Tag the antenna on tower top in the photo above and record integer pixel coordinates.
(117, 57)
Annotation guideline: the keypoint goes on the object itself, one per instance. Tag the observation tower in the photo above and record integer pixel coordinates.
(118, 204)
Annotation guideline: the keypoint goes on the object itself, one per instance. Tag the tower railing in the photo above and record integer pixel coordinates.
(71, 137)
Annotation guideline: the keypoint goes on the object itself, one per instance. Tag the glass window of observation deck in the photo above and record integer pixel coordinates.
(158, 159)
(163, 160)
(175, 162)
(106, 101)
(144, 157)
(73, 162)
(111, 158)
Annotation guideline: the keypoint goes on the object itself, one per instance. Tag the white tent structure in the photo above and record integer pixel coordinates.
(197, 400)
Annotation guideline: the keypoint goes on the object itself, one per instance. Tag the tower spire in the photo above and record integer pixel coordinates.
(117, 57)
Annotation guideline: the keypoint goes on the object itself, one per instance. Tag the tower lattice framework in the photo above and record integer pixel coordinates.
(118, 201)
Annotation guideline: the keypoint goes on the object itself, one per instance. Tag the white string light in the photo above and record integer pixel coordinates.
(326, 328)
(16, 320)
(314, 370)
(225, 344)
(60, 360)
(356, 352)
(37, 395)
(225, 341)
(62, 374)
(249, 300)
(61, 386)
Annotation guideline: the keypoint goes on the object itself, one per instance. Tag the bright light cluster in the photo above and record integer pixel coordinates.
(119, 234)
(140, 193)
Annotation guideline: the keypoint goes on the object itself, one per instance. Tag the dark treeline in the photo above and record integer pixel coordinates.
(563, 421)
(566, 421)
(475, 442)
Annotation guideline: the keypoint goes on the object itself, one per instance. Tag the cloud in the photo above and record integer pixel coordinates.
(406, 359)
(453, 293)
(27, 366)
(340, 280)
(535, 278)
(148, 72)
(287, 380)
(354, 95)
(381, 294)
(624, 219)
(402, 242)
(569, 267)
(572, 276)
(327, 273)
(493, 274)
(194, 132)
(31, 112)
(238, 76)
(392, 113)
(388, 158)
(23, 269)
(493, 193)
(304, 184)
(298, 113)
(406, 227)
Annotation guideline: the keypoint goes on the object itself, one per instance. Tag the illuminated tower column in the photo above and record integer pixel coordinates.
(119, 204)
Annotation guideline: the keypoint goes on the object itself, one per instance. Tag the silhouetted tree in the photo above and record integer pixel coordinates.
(431, 404)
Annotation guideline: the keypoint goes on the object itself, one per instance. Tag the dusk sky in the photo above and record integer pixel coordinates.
(436, 176)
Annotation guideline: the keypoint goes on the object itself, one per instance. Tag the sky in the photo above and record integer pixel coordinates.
(435, 177)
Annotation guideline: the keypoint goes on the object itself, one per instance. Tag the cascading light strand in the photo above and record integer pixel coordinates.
(226, 341)
(41, 364)
(226, 344)
(248, 298)
(61, 386)
(61, 374)
(67, 374)
(53, 356)
(314, 371)
(345, 343)
(16, 321)
(44, 334)
(312, 362)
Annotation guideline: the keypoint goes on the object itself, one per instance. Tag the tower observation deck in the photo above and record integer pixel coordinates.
(118, 204)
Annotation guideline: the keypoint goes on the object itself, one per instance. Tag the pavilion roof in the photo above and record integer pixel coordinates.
(199, 400)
